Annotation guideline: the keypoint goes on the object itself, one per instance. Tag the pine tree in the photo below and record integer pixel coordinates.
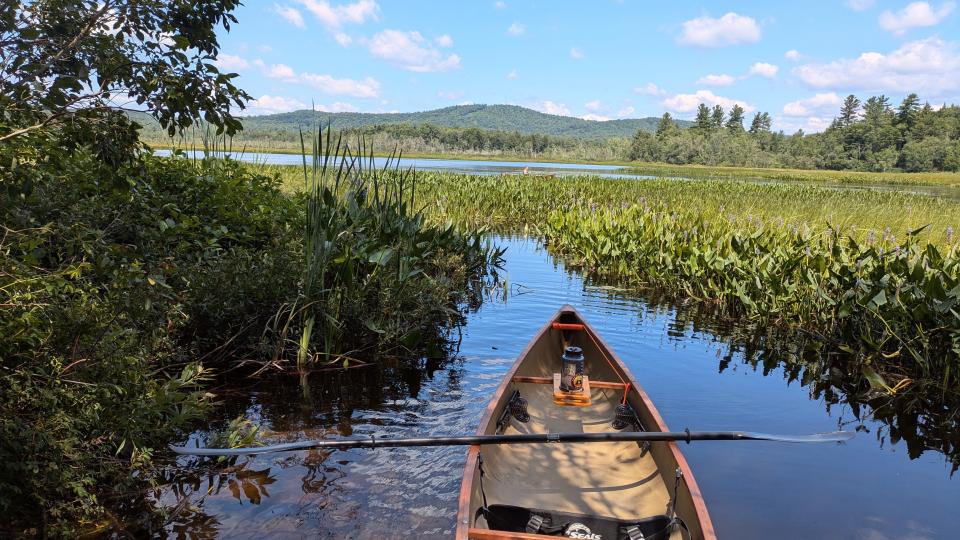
(735, 122)
(849, 111)
(716, 118)
(761, 123)
(907, 112)
(703, 122)
(665, 126)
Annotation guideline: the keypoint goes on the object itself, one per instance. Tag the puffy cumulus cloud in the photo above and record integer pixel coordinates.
(342, 39)
(336, 16)
(337, 106)
(411, 51)
(809, 124)
(914, 15)
(593, 106)
(516, 29)
(820, 104)
(281, 71)
(860, 5)
(717, 80)
(650, 89)
(730, 29)
(444, 41)
(793, 55)
(625, 112)
(366, 88)
(229, 62)
(513, 75)
(685, 103)
(576, 53)
(551, 107)
(267, 104)
(595, 117)
(930, 66)
(764, 69)
(500, 5)
(290, 14)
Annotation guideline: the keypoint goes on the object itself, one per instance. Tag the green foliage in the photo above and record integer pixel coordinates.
(912, 139)
(66, 60)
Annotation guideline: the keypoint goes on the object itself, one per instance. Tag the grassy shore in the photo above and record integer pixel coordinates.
(947, 179)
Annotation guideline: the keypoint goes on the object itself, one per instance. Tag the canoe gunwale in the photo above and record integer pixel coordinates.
(464, 531)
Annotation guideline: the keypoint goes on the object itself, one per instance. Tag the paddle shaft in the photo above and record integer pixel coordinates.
(526, 438)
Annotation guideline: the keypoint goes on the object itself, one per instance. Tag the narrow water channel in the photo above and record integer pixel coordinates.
(866, 489)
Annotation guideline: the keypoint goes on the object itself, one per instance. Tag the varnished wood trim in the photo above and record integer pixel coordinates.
(706, 524)
(487, 534)
(548, 380)
(466, 487)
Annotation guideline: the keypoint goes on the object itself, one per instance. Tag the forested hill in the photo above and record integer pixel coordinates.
(491, 117)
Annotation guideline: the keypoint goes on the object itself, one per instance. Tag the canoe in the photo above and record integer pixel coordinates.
(597, 490)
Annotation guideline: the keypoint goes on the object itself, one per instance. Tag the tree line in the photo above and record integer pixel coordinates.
(870, 135)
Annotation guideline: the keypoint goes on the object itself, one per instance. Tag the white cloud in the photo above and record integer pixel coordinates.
(930, 66)
(689, 102)
(764, 69)
(513, 75)
(915, 15)
(267, 104)
(228, 62)
(343, 39)
(576, 53)
(444, 41)
(499, 5)
(860, 5)
(593, 106)
(717, 80)
(516, 29)
(281, 71)
(809, 124)
(793, 55)
(411, 52)
(551, 107)
(366, 88)
(626, 111)
(650, 89)
(822, 103)
(451, 95)
(336, 106)
(335, 16)
(730, 29)
(595, 117)
(291, 15)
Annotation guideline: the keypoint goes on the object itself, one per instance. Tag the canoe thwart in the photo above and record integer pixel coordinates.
(549, 380)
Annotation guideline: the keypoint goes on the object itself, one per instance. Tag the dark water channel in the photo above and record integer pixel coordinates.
(866, 489)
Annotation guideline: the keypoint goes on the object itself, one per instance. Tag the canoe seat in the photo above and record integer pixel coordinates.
(502, 517)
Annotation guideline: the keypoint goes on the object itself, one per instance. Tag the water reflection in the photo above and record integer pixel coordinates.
(700, 369)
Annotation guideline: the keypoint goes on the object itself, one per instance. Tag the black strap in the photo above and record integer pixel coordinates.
(480, 467)
(533, 526)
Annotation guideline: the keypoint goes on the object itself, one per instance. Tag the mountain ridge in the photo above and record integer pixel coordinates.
(487, 117)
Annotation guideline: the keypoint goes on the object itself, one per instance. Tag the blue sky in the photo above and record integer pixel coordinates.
(602, 59)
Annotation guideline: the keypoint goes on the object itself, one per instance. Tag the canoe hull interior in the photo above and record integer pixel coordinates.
(618, 480)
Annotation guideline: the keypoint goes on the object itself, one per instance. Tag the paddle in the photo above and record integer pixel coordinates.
(527, 438)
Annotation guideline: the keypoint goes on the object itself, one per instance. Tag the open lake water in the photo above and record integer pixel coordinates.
(866, 489)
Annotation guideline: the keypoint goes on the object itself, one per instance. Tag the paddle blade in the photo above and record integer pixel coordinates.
(833, 436)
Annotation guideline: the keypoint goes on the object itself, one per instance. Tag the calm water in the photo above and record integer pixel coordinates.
(867, 489)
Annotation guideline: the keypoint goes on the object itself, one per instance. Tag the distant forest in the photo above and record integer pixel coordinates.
(865, 136)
